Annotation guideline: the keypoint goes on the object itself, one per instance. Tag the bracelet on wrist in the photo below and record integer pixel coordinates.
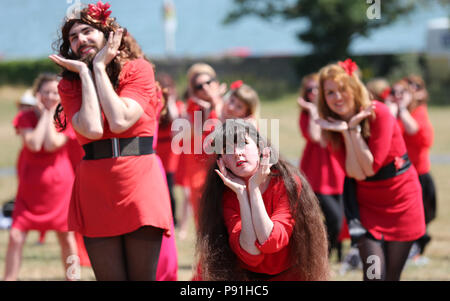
(356, 128)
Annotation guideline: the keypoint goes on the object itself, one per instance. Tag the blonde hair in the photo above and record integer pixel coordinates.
(376, 88)
(352, 82)
(198, 68)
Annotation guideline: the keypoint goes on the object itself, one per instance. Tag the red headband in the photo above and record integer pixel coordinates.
(349, 66)
(99, 11)
(236, 85)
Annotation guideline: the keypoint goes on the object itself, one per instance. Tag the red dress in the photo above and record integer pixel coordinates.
(196, 166)
(45, 184)
(164, 150)
(320, 166)
(274, 257)
(419, 144)
(115, 196)
(391, 209)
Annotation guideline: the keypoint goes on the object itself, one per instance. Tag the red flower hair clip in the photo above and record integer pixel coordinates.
(99, 11)
(385, 93)
(349, 66)
(236, 85)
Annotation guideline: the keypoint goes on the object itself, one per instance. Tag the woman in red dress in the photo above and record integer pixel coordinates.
(321, 168)
(45, 177)
(411, 97)
(259, 219)
(172, 110)
(372, 151)
(204, 105)
(120, 202)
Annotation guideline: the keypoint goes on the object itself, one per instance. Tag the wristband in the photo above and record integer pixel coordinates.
(356, 128)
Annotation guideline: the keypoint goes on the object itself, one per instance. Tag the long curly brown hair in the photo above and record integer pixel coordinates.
(129, 50)
(309, 253)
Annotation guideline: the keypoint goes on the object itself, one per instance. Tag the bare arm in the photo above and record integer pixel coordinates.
(88, 121)
(53, 139)
(314, 129)
(247, 236)
(352, 166)
(121, 113)
(362, 152)
(409, 123)
(33, 139)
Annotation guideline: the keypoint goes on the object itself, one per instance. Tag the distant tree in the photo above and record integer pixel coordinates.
(332, 24)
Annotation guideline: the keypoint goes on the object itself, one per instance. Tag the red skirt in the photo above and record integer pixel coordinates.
(392, 209)
(115, 196)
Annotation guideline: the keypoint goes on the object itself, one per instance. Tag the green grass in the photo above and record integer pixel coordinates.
(42, 262)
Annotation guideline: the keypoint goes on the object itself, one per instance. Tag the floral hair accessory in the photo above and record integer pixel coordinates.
(236, 85)
(99, 11)
(349, 66)
(385, 93)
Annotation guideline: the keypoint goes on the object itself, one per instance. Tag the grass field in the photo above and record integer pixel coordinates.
(42, 262)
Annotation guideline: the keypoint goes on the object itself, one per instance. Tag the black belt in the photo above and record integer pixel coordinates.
(391, 170)
(118, 147)
(351, 206)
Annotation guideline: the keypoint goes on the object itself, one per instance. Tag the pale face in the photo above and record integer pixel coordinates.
(85, 40)
(235, 108)
(200, 82)
(312, 91)
(398, 91)
(339, 99)
(245, 159)
(49, 95)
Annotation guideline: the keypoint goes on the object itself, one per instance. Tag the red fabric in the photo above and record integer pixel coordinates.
(81, 250)
(196, 166)
(344, 234)
(45, 184)
(115, 196)
(167, 269)
(419, 144)
(274, 256)
(320, 166)
(164, 150)
(391, 208)
(76, 152)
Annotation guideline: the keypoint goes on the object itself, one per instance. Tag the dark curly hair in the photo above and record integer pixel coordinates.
(309, 253)
(129, 50)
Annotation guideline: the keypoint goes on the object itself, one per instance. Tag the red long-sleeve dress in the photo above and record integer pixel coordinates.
(114, 196)
(391, 209)
(45, 183)
(274, 256)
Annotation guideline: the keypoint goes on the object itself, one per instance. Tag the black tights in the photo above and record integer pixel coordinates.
(132, 256)
(389, 259)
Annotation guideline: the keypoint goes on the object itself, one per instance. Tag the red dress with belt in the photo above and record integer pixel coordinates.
(45, 184)
(392, 208)
(274, 258)
(114, 196)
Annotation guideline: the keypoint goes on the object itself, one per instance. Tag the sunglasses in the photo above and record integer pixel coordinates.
(312, 89)
(200, 86)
